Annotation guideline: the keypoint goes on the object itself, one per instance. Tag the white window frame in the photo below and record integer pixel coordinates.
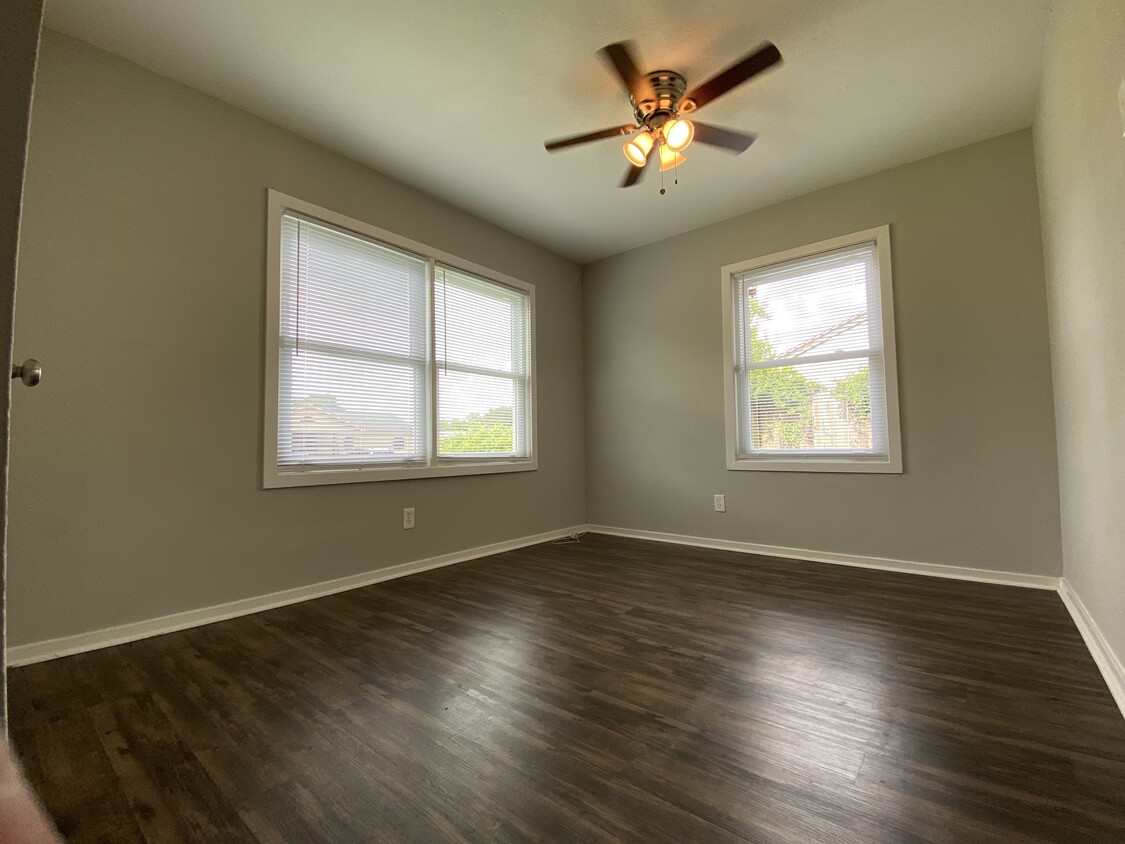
(815, 461)
(434, 466)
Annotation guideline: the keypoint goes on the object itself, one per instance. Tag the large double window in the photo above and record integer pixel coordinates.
(811, 382)
(389, 359)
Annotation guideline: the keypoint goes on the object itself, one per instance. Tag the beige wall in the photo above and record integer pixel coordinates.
(1081, 157)
(980, 486)
(19, 39)
(135, 488)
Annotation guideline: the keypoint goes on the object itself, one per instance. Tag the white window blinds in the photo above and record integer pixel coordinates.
(352, 365)
(392, 360)
(809, 359)
(482, 346)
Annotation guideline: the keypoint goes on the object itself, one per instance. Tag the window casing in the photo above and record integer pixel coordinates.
(810, 376)
(388, 359)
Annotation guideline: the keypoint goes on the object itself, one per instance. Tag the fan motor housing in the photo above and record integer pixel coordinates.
(668, 87)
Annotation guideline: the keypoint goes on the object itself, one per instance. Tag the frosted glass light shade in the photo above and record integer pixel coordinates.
(669, 158)
(678, 134)
(637, 150)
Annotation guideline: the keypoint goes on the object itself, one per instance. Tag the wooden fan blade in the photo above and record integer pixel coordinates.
(725, 139)
(563, 143)
(619, 56)
(634, 174)
(749, 66)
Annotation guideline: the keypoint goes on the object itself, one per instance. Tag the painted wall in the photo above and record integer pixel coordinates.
(135, 490)
(19, 40)
(980, 484)
(1081, 157)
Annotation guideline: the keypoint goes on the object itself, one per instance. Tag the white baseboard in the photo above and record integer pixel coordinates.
(66, 645)
(1032, 581)
(1106, 659)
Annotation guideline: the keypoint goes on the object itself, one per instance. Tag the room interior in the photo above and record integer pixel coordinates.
(951, 635)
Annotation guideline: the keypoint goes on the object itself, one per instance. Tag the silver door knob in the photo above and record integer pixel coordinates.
(30, 372)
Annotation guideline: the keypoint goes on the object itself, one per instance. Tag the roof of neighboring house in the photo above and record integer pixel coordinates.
(357, 419)
(826, 335)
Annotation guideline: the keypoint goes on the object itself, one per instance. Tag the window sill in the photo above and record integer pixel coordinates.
(781, 464)
(274, 479)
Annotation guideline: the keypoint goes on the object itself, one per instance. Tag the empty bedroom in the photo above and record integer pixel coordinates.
(578, 422)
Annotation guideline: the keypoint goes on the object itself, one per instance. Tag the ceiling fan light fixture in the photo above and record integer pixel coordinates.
(669, 158)
(637, 150)
(661, 101)
(678, 134)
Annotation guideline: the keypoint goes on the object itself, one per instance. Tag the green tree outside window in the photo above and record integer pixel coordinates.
(780, 396)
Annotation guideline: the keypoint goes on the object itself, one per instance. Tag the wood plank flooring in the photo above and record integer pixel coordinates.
(605, 691)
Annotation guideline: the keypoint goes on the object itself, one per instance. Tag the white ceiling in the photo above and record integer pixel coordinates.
(456, 98)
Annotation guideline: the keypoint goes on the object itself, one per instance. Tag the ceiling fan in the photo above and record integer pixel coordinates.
(661, 101)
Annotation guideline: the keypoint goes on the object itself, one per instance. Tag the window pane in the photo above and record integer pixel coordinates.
(341, 410)
(352, 386)
(478, 323)
(343, 290)
(477, 414)
(483, 349)
(810, 307)
(824, 406)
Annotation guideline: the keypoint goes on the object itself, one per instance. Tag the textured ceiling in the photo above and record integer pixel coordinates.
(455, 98)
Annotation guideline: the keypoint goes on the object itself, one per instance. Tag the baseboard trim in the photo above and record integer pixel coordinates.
(1107, 661)
(80, 642)
(1030, 581)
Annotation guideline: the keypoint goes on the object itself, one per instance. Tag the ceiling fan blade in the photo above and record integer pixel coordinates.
(620, 59)
(632, 177)
(563, 143)
(634, 174)
(726, 139)
(766, 56)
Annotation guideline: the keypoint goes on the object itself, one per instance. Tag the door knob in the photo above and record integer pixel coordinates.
(30, 372)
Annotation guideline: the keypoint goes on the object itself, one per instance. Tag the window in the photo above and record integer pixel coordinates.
(387, 359)
(810, 363)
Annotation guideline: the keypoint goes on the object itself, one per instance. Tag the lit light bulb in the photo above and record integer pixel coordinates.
(678, 134)
(637, 150)
(669, 158)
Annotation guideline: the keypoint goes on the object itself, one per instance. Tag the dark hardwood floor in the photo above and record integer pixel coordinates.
(611, 690)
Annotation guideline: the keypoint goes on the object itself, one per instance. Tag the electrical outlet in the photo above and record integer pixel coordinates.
(407, 518)
(720, 503)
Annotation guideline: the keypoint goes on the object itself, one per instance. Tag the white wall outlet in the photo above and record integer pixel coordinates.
(720, 503)
(407, 518)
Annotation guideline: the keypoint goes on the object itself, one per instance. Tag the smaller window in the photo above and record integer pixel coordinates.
(810, 378)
